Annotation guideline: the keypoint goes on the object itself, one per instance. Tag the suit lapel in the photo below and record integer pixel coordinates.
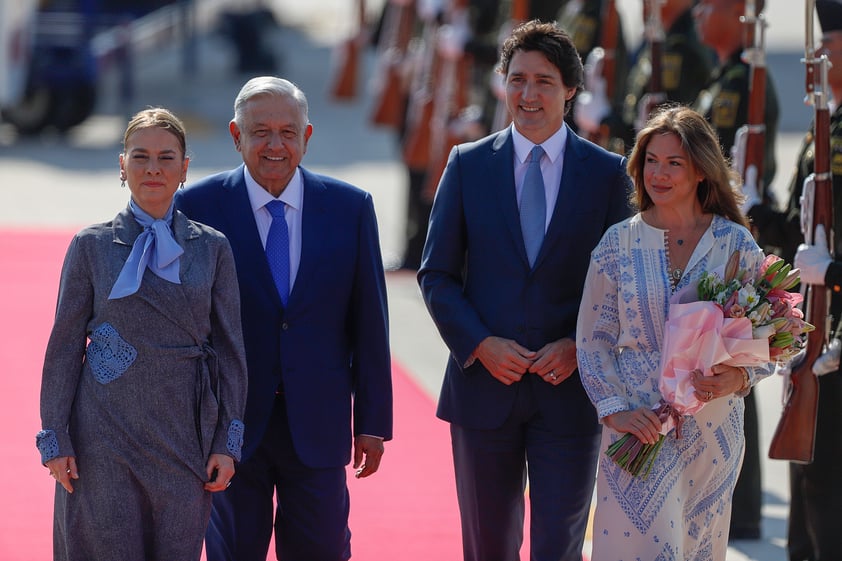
(502, 166)
(313, 221)
(244, 238)
(574, 155)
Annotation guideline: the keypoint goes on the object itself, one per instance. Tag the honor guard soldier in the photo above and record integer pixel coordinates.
(815, 516)
(685, 68)
(725, 103)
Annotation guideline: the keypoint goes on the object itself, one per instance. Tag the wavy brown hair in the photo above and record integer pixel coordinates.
(719, 191)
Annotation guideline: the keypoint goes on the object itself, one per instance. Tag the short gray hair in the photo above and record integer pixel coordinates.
(269, 85)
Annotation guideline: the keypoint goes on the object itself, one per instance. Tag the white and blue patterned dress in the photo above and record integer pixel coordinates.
(682, 509)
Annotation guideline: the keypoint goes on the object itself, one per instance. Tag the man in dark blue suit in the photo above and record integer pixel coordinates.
(317, 343)
(507, 312)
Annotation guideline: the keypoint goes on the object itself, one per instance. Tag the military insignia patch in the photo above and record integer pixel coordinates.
(671, 71)
(724, 110)
(836, 156)
(583, 31)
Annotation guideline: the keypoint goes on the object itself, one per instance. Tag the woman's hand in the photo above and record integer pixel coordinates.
(223, 465)
(63, 469)
(726, 380)
(642, 423)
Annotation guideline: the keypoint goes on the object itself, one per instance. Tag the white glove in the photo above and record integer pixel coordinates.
(451, 41)
(592, 104)
(429, 10)
(750, 190)
(647, 103)
(813, 260)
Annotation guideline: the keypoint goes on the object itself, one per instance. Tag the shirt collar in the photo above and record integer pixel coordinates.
(553, 146)
(292, 195)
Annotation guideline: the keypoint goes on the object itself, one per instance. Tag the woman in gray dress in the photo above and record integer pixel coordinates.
(144, 380)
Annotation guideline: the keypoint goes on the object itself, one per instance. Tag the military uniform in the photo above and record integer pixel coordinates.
(686, 67)
(582, 20)
(815, 519)
(724, 103)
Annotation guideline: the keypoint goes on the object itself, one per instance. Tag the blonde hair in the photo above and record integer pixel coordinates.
(161, 118)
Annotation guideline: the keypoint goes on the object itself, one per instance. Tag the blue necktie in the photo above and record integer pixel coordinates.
(533, 206)
(277, 248)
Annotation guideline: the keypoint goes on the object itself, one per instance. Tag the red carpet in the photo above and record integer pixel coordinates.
(406, 511)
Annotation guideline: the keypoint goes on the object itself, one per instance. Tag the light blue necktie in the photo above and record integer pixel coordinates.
(155, 248)
(277, 248)
(533, 205)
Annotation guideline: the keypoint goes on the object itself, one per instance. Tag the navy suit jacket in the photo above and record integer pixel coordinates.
(330, 346)
(477, 282)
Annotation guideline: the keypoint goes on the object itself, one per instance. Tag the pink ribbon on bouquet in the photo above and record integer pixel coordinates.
(698, 336)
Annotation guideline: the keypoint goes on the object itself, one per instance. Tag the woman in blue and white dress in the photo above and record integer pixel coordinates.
(688, 223)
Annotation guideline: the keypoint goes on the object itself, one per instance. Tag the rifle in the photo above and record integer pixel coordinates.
(451, 83)
(391, 92)
(344, 85)
(654, 30)
(519, 13)
(795, 436)
(750, 139)
(416, 146)
(608, 54)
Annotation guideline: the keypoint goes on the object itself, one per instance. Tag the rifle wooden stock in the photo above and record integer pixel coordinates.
(795, 435)
(391, 96)
(344, 83)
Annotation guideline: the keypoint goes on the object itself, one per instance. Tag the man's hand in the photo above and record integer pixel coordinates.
(220, 470)
(813, 260)
(506, 360)
(368, 451)
(555, 361)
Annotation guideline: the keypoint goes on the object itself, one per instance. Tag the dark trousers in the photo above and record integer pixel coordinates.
(815, 515)
(311, 520)
(748, 494)
(417, 218)
(491, 473)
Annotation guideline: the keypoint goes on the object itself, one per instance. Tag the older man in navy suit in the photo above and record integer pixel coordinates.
(313, 298)
(511, 232)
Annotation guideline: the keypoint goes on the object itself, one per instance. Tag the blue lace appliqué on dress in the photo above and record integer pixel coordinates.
(47, 444)
(235, 438)
(108, 354)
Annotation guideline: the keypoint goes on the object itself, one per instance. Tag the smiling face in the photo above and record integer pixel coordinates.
(536, 95)
(153, 164)
(668, 174)
(272, 137)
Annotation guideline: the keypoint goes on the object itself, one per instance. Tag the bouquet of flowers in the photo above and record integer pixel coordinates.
(727, 318)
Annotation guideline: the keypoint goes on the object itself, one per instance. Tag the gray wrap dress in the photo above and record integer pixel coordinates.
(141, 390)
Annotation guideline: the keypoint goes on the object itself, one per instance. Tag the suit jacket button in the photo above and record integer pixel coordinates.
(284, 326)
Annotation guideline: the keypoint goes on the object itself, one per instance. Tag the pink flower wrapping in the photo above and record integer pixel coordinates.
(698, 336)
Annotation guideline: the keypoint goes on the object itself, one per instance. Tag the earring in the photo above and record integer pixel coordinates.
(181, 186)
(122, 183)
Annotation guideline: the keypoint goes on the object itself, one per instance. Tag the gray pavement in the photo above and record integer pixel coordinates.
(77, 176)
